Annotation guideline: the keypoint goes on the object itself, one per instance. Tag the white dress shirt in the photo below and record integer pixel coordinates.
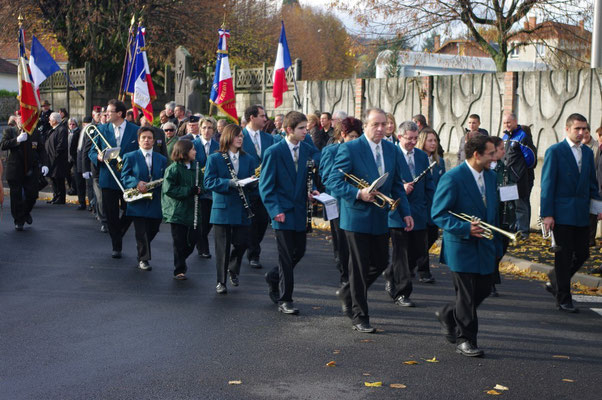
(206, 145)
(256, 139)
(479, 178)
(148, 158)
(373, 147)
(119, 130)
(410, 160)
(234, 157)
(291, 147)
(577, 152)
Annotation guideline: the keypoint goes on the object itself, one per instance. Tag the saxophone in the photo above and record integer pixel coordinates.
(133, 194)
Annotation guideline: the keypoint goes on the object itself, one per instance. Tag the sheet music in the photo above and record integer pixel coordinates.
(331, 208)
(246, 181)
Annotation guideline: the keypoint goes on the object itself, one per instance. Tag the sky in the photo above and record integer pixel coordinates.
(348, 21)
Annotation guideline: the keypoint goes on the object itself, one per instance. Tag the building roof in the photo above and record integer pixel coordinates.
(10, 49)
(7, 67)
(554, 30)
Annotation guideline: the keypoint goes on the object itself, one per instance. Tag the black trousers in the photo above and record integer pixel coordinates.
(399, 271)
(368, 258)
(204, 226)
(184, 239)
(231, 242)
(418, 252)
(259, 224)
(291, 248)
(497, 279)
(117, 221)
(471, 290)
(58, 188)
(100, 209)
(23, 195)
(574, 251)
(145, 229)
(341, 250)
(80, 186)
(593, 227)
(432, 232)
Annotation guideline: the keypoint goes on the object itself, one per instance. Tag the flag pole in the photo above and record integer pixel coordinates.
(127, 56)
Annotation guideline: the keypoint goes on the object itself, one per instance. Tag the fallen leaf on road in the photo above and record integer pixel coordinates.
(493, 392)
(564, 357)
(331, 364)
(500, 387)
(411, 362)
(568, 380)
(367, 340)
(316, 308)
(366, 374)
(379, 330)
(373, 384)
(398, 386)
(336, 352)
(432, 360)
(234, 382)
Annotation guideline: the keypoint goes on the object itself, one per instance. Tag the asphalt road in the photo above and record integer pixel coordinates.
(76, 324)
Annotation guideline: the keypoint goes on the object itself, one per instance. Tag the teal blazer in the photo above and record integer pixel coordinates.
(247, 144)
(201, 157)
(129, 143)
(284, 190)
(458, 192)
(327, 162)
(437, 171)
(565, 192)
(135, 170)
(421, 197)
(356, 158)
(227, 207)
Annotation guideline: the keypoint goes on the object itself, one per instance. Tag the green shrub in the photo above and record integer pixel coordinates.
(6, 93)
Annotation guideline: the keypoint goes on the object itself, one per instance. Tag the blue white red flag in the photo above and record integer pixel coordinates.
(222, 91)
(141, 84)
(29, 99)
(283, 62)
(41, 63)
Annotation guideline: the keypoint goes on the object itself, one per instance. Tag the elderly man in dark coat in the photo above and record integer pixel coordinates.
(57, 150)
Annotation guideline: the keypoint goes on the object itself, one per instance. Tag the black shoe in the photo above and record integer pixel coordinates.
(494, 292)
(274, 292)
(255, 264)
(19, 227)
(59, 202)
(81, 207)
(221, 288)
(116, 254)
(234, 279)
(404, 301)
(389, 288)
(469, 350)
(28, 219)
(448, 331)
(143, 265)
(568, 307)
(426, 279)
(287, 308)
(104, 229)
(363, 327)
(71, 192)
(550, 288)
(51, 201)
(205, 255)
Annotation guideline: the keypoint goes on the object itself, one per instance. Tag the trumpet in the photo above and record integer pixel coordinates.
(487, 228)
(105, 160)
(548, 234)
(98, 134)
(380, 200)
(133, 194)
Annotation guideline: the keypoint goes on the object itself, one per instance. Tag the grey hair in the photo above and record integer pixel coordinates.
(407, 126)
(73, 119)
(55, 116)
(339, 115)
(169, 125)
(511, 115)
(171, 105)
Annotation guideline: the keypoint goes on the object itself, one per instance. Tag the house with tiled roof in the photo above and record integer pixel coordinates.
(8, 76)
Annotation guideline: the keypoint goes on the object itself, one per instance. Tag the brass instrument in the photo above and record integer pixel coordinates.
(548, 235)
(105, 160)
(98, 134)
(133, 194)
(258, 172)
(380, 201)
(488, 228)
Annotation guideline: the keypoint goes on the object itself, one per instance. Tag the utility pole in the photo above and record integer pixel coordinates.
(597, 35)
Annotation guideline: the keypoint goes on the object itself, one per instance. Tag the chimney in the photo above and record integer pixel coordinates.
(582, 25)
(532, 22)
(526, 25)
(437, 42)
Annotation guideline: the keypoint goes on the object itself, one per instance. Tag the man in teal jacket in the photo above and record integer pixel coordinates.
(568, 182)
(469, 188)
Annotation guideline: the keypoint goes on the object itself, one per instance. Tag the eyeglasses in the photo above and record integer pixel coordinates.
(169, 130)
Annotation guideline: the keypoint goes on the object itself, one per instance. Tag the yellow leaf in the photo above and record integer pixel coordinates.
(432, 360)
(234, 382)
(366, 374)
(398, 386)
(568, 380)
(564, 357)
(373, 384)
(336, 352)
(493, 392)
(411, 362)
(316, 308)
(500, 387)
(379, 330)
(366, 340)
(331, 364)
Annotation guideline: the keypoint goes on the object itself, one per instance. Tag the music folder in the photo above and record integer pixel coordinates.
(331, 208)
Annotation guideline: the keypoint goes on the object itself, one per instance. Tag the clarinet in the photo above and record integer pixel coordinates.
(423, 173)
(196, 197)
(310, 179)
(241, 191)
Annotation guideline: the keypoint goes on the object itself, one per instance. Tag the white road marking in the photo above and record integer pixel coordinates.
(587, 299)
(597, 310)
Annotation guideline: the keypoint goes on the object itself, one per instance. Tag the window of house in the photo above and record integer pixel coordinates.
(514, 52)
(541, 49)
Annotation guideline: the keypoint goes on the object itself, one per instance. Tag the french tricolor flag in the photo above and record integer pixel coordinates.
(144, 91)
(283, 62)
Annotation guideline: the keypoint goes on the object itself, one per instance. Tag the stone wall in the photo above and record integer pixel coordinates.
(8, 105)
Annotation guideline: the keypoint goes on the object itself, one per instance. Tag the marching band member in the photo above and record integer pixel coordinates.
(205, 146)
(469, 188)
(139, 168)
(364, 223)
(255, 143)
(568, 182)
(230, 210)
(284, 190)
(181, 184)
(351, 128)
(118, 133)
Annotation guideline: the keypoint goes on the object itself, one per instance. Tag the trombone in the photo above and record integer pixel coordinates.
(548, 234)
(108, 159)
(487, 228)
(98, 134)
(380, 201)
